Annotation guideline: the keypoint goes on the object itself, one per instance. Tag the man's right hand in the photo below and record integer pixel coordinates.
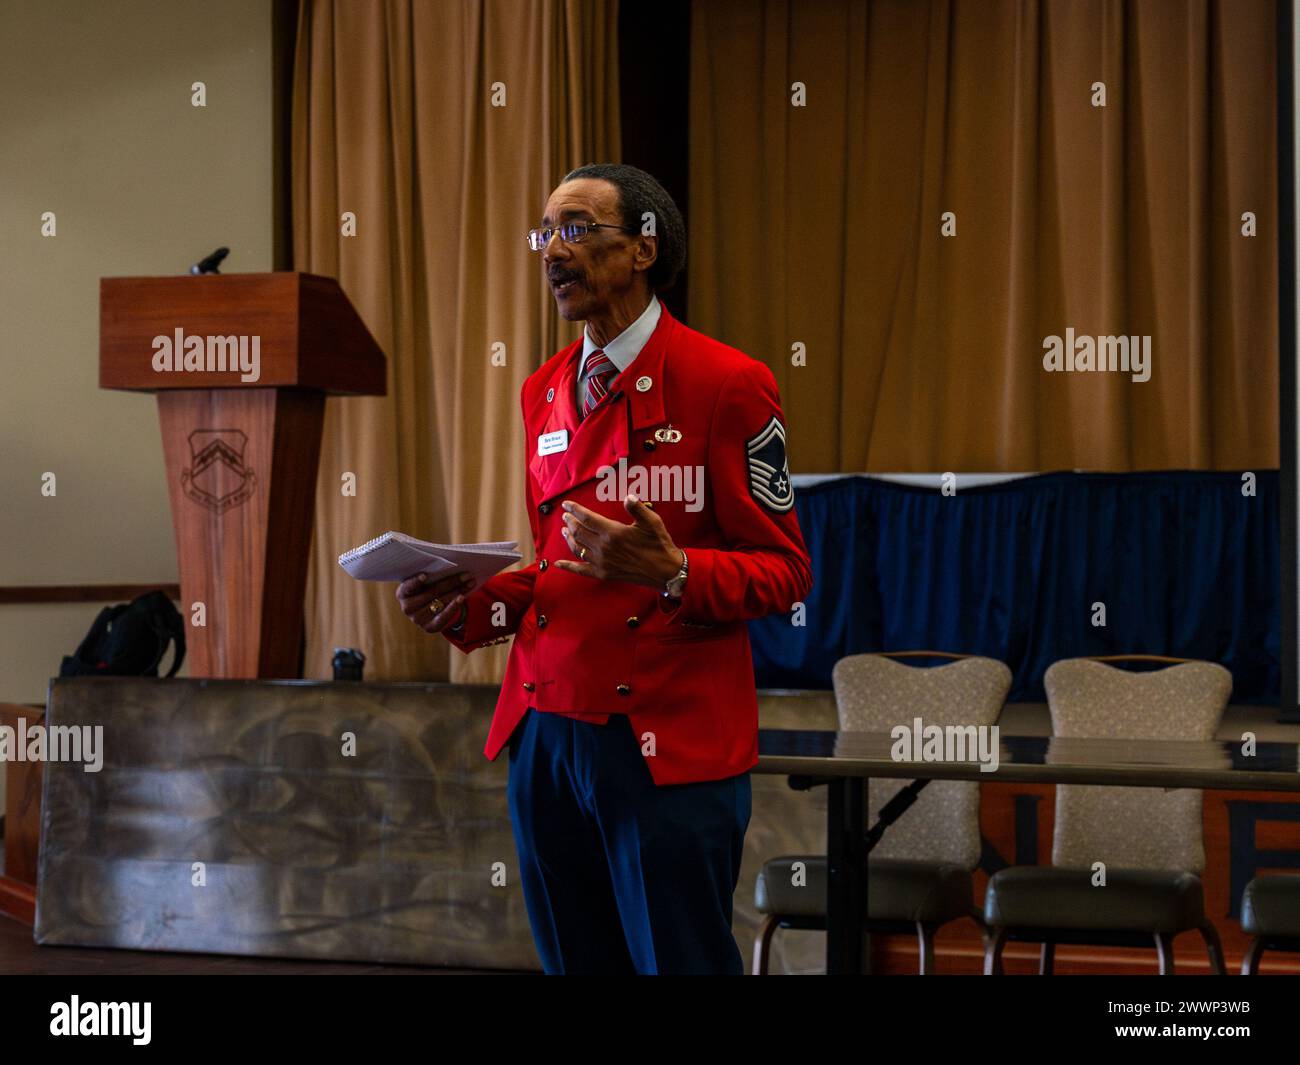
(433, 605)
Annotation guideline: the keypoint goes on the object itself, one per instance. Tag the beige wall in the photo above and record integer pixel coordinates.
(97, 126)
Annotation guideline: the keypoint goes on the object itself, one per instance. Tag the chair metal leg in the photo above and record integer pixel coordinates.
(925, 937)
(1250, 960)
(1046, 959)
(993, 944)
(1165, 952)
(1214, 948)
(763, 944)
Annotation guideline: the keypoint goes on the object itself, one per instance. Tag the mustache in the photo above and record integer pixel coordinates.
(559, 275)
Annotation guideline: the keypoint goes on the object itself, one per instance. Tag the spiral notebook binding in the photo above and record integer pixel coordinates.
(367, 547)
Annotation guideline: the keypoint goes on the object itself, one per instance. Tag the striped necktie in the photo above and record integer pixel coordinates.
(599, 371)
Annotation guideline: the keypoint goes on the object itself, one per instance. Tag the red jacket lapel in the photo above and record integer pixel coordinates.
(553, 408)
(605, 435)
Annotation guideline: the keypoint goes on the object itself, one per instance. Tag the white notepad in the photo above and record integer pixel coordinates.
(396, 556)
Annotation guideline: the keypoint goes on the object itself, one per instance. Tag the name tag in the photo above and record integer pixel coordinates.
(550, 443)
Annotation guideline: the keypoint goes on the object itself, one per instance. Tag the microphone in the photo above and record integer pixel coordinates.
(210, 264)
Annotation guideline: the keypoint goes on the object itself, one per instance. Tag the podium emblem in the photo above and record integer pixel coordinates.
(217, 476)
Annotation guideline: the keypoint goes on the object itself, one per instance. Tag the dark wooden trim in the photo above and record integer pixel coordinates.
(897, 955)
(17, 900)
(1289, 701)
(82, 593)
(22, 820)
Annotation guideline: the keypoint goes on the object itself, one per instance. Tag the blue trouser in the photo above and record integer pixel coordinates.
(620, 875)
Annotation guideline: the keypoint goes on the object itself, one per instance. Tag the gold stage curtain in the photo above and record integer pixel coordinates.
(820, 225)
(394, 122)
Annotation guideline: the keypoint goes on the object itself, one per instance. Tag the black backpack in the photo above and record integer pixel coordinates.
(129, 640)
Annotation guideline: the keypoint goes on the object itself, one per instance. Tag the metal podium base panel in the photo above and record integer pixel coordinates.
(342, 821)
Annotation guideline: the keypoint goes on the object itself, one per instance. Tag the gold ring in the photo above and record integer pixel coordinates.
(435, 606)
(582, 553)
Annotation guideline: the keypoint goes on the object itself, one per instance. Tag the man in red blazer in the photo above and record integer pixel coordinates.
(663, 519)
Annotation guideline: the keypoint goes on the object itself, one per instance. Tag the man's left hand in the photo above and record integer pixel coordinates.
(642, 552)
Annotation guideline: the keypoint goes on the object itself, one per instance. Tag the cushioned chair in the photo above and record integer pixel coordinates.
(919, 876)
(1149, 839)
(1270, 912)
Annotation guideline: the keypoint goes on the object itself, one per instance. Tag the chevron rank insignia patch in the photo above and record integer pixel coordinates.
(769, 472)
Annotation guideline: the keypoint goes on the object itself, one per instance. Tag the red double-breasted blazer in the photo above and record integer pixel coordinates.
(718, 477)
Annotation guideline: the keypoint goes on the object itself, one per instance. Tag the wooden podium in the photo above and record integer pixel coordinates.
(242, 364)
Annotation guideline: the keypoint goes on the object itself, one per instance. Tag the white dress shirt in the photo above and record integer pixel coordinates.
(623, 349)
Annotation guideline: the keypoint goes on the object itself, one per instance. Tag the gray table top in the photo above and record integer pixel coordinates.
(1040, 759)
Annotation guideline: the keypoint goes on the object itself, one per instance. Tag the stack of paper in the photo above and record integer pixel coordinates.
(396, 556)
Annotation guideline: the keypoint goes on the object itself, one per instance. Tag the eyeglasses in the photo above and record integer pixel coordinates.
(570, 233)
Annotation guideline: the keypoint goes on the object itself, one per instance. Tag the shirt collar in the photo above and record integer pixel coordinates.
(625, 347)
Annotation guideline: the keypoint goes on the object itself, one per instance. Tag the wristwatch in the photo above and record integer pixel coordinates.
(675, 585)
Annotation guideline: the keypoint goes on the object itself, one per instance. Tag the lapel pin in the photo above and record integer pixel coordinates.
(643, 384)
(669, 435)
(550, 395)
